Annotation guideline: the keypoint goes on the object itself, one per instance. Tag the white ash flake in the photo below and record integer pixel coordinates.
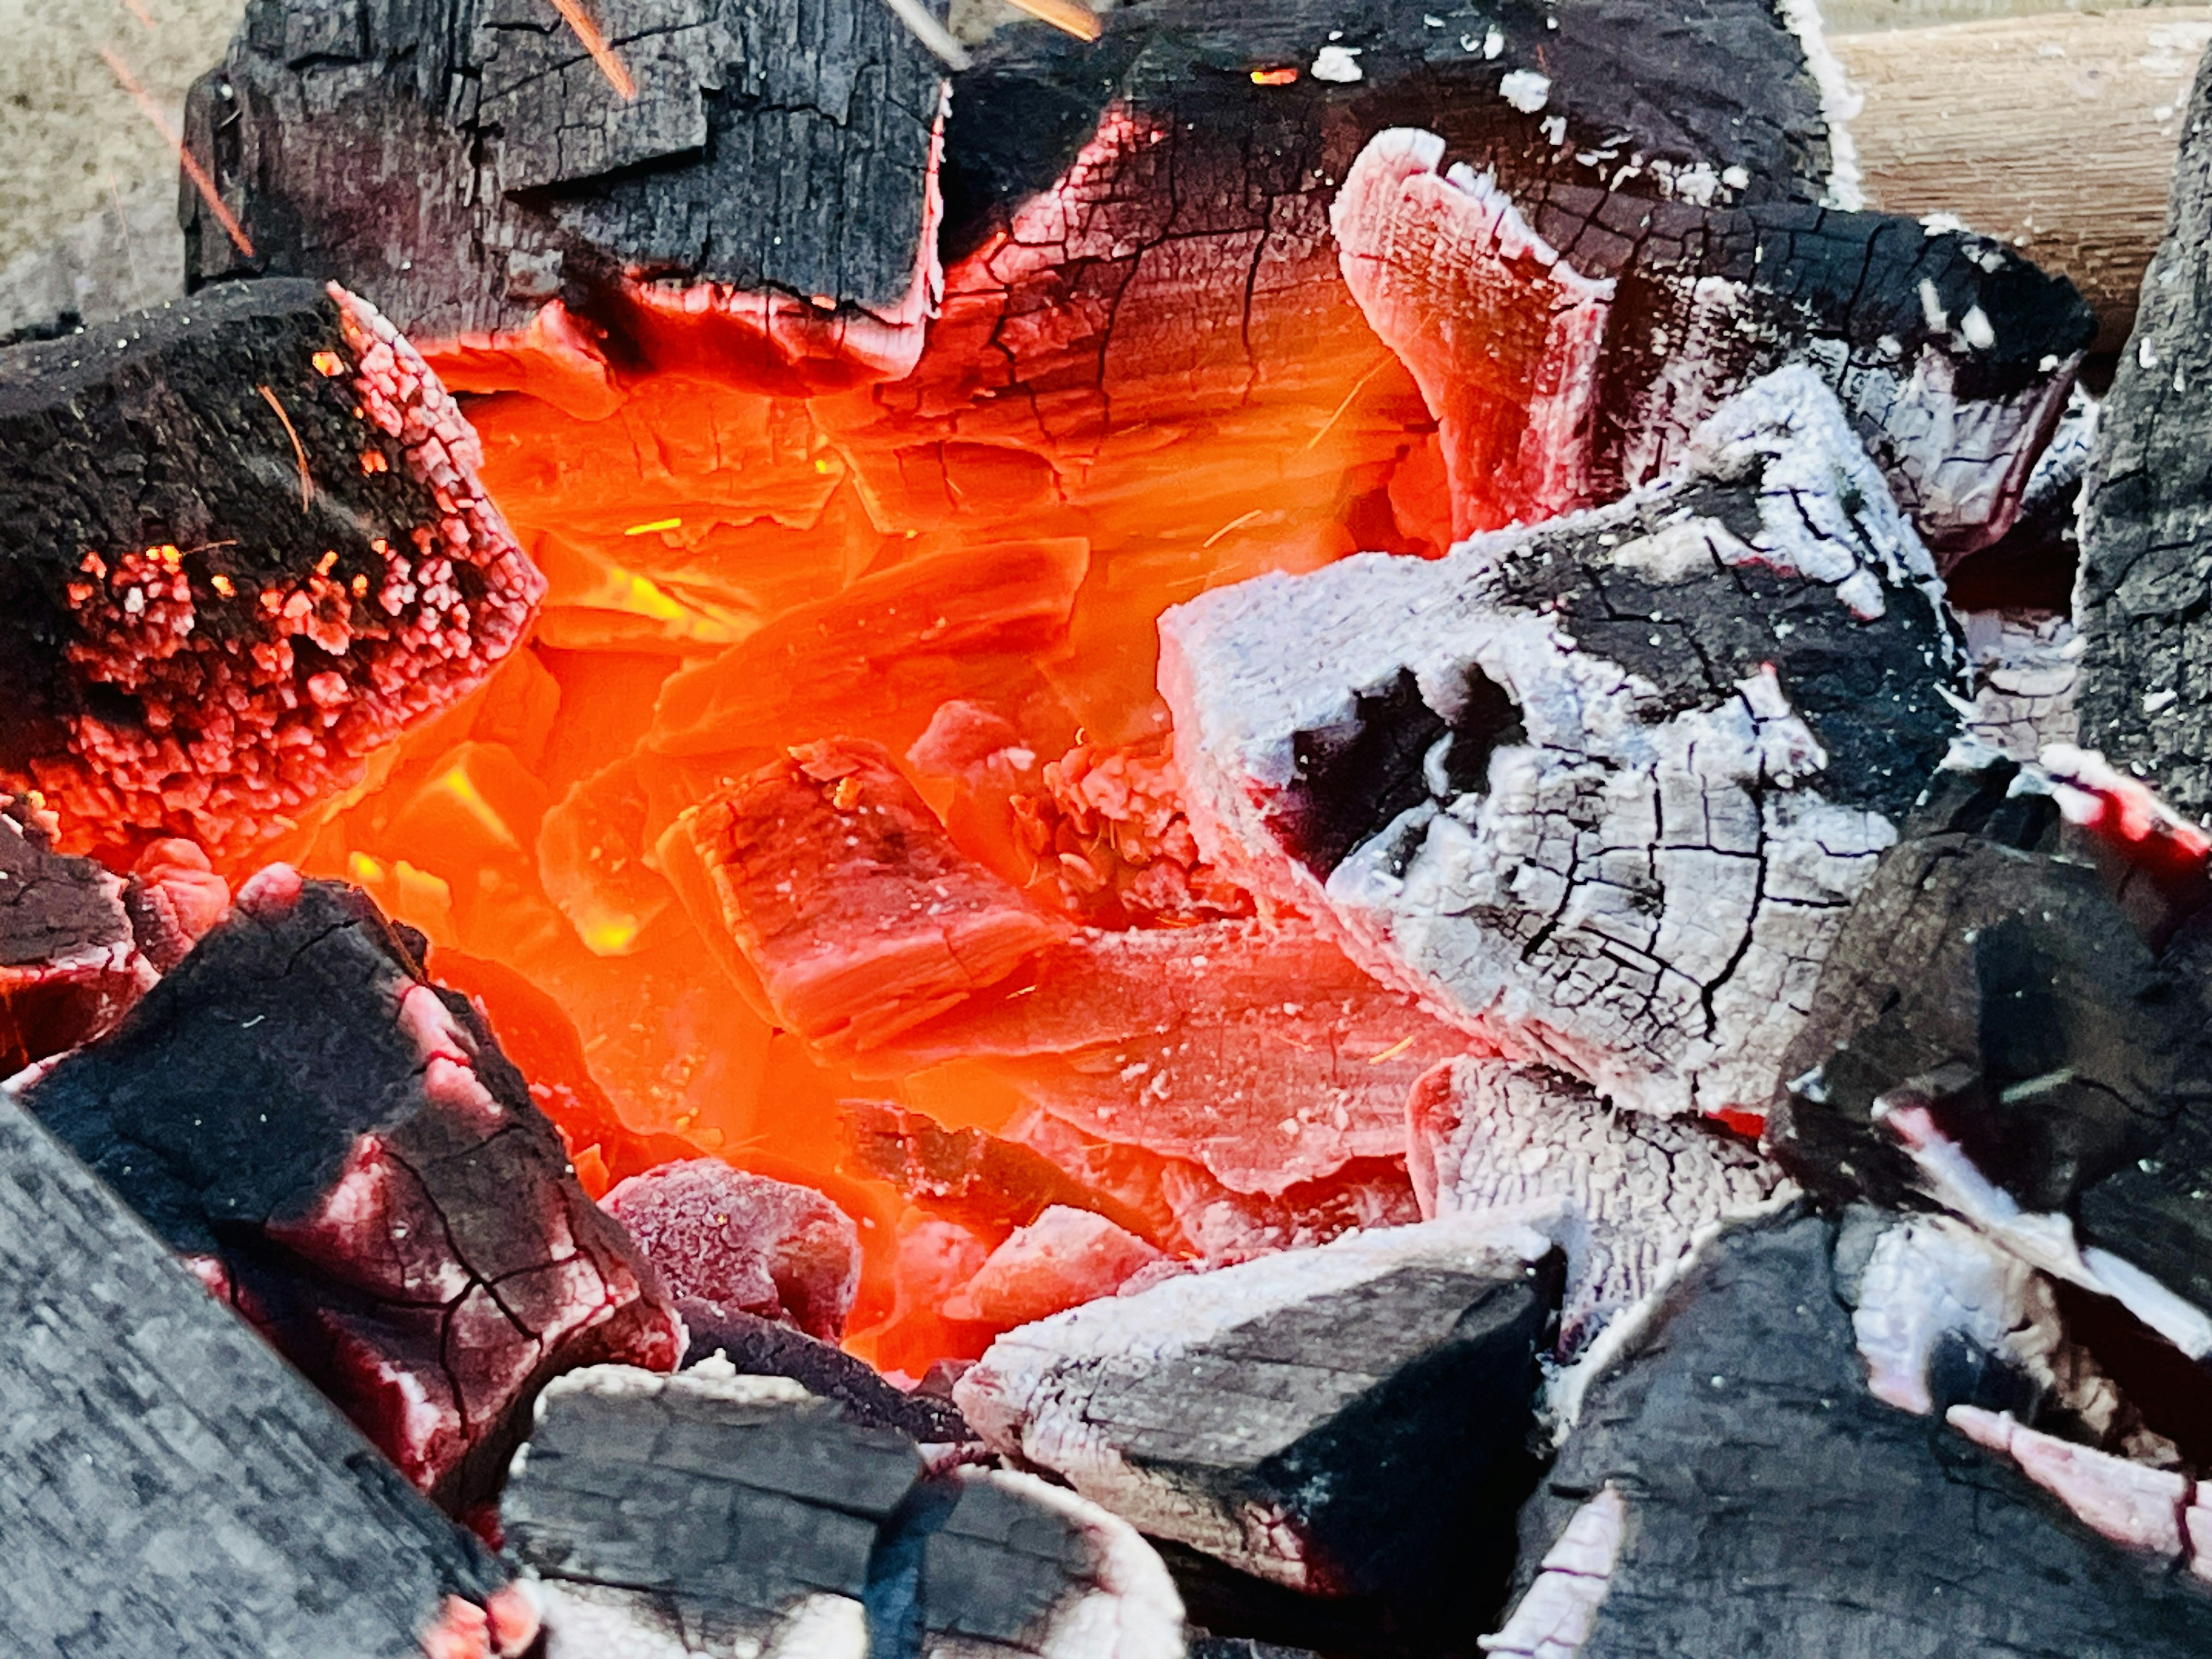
(2026, 667)
(1338, 64)
(1525, 89)
(1553, 1619)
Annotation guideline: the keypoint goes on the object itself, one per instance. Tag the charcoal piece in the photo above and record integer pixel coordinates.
(70, 962)
(1063, 1258)
(1347, 1420)
(344, 1154)
(1486, 1135)
(1640, 888)
(251, 552)
(773, 176)
(762, 1348)
(173, 898)
(175, 1491)
(744, 1244)
(974, 1177)
(2147, 509)
(1570, 340)
(710, 1510)
(1772, 1504)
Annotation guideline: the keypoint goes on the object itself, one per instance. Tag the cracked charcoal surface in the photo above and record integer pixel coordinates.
(69, 963)
(2147, 517)
(1774, 1505)
(1570, 339)
(1992, 964)
(1486, 1134)
(772, 146)
(1347, 1419)
(177, 1491)
(715, 1509)
(187, 647)
(344, 1151)
(762, 1348)
(1642, 888)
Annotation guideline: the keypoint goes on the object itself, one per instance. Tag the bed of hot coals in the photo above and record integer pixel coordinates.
(1298, 830)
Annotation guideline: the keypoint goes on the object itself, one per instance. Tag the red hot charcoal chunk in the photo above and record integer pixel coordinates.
(744, 1243)
(339, 1148)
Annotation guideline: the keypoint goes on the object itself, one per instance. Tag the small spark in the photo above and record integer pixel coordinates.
(1070, 16)
(658, 524)
(1237, 523)
(328, 364)
(193, 170)
(588, 36)
(299, 454)
(1358, 387)
(1393, 1051)
(137, 9)
(1274, 78)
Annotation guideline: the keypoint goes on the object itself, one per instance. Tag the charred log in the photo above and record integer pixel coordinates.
(345, 1156)
(150, 1424)
(251, 551)
(1636, 878)
(1731, 1485)
(2147, 519)
(70, 961)
(762, 1347)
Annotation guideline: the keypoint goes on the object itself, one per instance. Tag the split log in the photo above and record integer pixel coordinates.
(1762, 1498)
(2055, 134)
(684, 1515)
(175, 1490)
(251, 551)
(749, 178)
(1342, 1421)
(1600, 791)
(342, 1152)
(2147, 514)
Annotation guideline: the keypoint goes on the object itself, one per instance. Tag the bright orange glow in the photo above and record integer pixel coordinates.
(657, 524)
(588, 36)
(1274, 78)
(1071, 15)
(193, 170)
(328, 364)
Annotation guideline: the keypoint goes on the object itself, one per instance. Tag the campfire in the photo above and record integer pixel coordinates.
(1204, 829)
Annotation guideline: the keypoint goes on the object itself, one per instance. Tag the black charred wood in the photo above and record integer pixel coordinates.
(175, 1490)
(69, 963)
(762, 1348)
(344, 1153)
(2147, 516)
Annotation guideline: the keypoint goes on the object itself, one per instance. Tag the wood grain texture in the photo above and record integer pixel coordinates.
(173, 1489)
(2058, 133)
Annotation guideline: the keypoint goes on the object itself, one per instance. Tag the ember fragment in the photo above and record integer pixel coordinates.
(1773, 1505)
(69, 963)
(1599, 791)
(175, 1488)
(743, 1243)
(2148, 508)
(1344, 1420)
(1570, 355)
(837, 889)
(1487, 1135)
(1061, 1259)
(708, 1510)
(710, 206)
(192, 652)
(346, 1156)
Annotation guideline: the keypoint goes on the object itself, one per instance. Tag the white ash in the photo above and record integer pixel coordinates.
(2026, 666)
(1132, 1610)
(1486, 1134)
(1639, 879)
(2156, 1511)
(1552, 1619)
(601, 1621)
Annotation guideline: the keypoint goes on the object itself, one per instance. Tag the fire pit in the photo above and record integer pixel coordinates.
(1206, 830)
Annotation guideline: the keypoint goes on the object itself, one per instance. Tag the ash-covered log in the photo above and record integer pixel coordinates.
(1345, 1421)
(70, 961)
(2146, 515)
(682, 1514)
(1729, 1486)
(1570, 340)
(749, 181)
(1600, 790)
(244, 549)
(342, 1152)
(175, 1490)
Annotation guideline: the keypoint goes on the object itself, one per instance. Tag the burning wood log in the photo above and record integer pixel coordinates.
(1344, 1421)
(1730, 1482)
(252, 552)
(174, 1486)
(1570, 342)
(1600, 791)
(708, 1508)
(344, 1154)
(69, 960)
(2147, 506)
(753, 181)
